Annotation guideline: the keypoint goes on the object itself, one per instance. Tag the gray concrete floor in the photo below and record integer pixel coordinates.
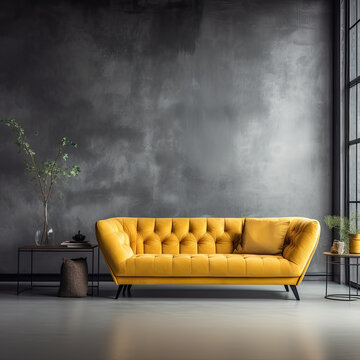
(180, 322)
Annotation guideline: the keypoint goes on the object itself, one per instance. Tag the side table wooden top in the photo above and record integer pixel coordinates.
(328, 253)
(55, 247)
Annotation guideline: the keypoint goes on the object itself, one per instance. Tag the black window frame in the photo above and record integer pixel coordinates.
(352, 143)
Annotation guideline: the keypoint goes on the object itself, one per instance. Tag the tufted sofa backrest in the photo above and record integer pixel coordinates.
(181, 235)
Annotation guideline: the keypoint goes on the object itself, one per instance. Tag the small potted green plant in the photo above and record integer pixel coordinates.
(348, 232)
(45, 173)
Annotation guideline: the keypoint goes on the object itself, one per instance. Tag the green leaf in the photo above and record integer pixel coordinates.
(45, 171)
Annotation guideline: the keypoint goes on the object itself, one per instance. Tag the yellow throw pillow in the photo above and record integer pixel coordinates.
(264, 236)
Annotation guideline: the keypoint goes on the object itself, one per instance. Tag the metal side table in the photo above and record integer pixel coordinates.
(335, 259)
(56, 249)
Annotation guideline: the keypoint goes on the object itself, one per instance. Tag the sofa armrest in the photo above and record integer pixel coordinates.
(301, 242)
(114, 244)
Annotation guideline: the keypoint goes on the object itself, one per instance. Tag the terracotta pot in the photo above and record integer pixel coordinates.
(354, 247)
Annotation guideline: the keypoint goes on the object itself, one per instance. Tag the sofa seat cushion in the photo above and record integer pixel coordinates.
(202, 265)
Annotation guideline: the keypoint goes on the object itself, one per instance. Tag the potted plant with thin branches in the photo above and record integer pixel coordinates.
(45, 173)
(348, 232)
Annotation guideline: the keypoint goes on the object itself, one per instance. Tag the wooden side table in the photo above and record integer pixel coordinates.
(56, 249)
(335, 259)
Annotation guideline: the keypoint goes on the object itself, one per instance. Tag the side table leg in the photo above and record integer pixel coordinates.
(18, 273)
(31, 270)
(347, 265)
(326, 277)
(98, 270)
(92, 277)
(357, 276)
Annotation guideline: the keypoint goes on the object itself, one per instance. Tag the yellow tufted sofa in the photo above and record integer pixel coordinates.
(200, 251)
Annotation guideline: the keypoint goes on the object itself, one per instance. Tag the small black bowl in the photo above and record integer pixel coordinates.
(79, 237)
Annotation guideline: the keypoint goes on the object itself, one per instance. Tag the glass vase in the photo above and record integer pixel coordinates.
(45, 236)
(48, 240)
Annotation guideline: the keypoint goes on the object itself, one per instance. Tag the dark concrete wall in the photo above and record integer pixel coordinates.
(220, 108)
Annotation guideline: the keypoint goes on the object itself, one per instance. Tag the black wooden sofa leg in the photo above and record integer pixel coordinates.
(286, 288)
(124, 290)
(294, 290)
(118, 291)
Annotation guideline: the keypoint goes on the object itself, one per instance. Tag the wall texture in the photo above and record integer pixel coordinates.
(219, 108)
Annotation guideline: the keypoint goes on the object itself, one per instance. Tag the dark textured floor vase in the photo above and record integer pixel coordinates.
(74, 278)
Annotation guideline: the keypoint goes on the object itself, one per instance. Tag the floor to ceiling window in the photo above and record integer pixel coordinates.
(351, 29)
(353, 108)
